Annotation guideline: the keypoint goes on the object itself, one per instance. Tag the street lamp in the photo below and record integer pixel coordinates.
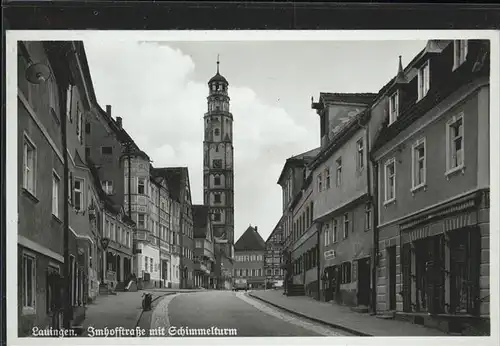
(36, 73)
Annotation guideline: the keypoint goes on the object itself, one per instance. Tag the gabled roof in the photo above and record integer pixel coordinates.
(103, 197)
(276, 229)
(308, 154)
(173, 177)
(363, 98)
(250, 241)
(340, 137)
(300, 160)
(200, 220)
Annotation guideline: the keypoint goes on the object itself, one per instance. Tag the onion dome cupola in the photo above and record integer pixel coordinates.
(218, 98)
(218, 83)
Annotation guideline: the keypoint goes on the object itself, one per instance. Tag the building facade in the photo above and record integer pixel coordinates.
(293, 178)
(342, 199)
(204, 258)
(53, 107)
(433, 219)
(177, 180)
(218, 167)
(305, 246)
(273, 258)
(113, 258)
(105, 146)
(249, 254)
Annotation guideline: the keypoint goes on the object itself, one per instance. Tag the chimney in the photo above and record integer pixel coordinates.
(119, 122)
(108, 110)
(255, 228)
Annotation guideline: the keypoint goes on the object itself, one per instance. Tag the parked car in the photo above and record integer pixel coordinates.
(240, 284)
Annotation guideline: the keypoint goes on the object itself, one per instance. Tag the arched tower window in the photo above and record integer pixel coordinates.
(217, 133)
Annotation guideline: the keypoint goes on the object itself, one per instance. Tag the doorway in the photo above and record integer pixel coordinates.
(364, 281)
(118, 269)
(391, 252)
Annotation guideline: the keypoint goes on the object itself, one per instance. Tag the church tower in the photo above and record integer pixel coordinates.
(218, 167)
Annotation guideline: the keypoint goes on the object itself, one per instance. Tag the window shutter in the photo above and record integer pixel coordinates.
(71, 189)
(33, 281)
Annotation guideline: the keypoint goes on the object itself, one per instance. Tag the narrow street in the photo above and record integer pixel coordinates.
(232, 310)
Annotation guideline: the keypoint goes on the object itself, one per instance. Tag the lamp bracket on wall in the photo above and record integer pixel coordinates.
(37, 73)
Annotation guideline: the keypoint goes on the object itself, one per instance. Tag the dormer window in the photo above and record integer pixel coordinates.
(459, 52)
(423, 80)
(393, 107)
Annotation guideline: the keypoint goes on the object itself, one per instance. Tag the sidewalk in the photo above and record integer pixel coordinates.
(121, 310)
(342, 317)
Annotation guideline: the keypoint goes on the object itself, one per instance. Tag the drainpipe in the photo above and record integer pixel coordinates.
(129, 181)
(159, 236)
(68, 310)
(373, 199)
(318, 257)
(375, 234)
(181, 229)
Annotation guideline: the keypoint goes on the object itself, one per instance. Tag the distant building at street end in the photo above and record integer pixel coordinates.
(273, 258)
(249, 254)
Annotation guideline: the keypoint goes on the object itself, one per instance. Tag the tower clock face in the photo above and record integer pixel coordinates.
(217, 163)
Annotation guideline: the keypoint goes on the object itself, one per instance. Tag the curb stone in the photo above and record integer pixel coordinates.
(159, 317)
(141, 312)
(337, 326)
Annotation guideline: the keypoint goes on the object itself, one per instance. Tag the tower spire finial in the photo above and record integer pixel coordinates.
(218, 63)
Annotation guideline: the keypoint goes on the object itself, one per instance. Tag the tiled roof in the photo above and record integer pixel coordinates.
(340, 137)
(250, 241)
(445, 82)
(304, 158)
(173, 177)
(218, 78)
(200, 220)
(109, 205)
(308, 154)
(364, 98)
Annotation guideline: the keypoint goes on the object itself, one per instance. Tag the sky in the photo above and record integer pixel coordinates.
(160, 90)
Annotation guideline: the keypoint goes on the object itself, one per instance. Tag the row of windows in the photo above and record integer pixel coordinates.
(76, 194)
(454, 159)
(249, 258)
(277, 272)
(460, 50)
(219, 87)
(247, 272)
(334, 226)
(306, 261)
(273, 260)
(303, 222)
(324, 178)
(218, 105)
(187, 253)
(162, 231)
(117, 233)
